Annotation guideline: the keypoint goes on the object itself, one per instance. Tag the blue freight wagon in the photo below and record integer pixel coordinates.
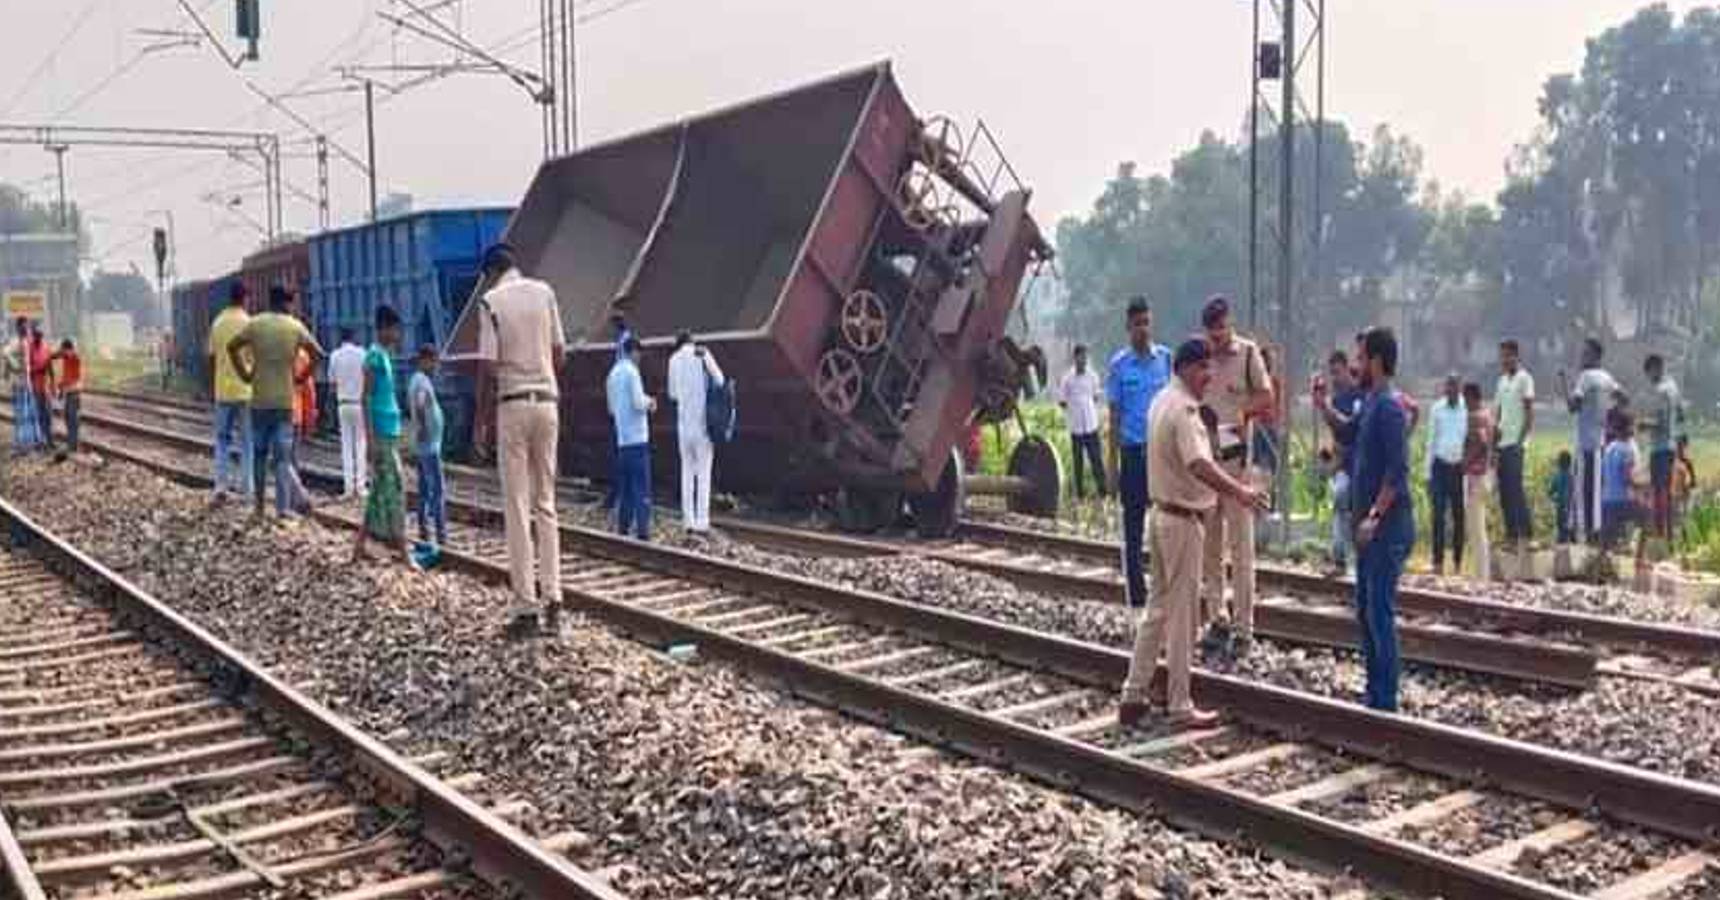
(424, 264)
(195, 304)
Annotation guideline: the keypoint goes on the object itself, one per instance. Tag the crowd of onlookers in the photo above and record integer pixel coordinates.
(1194, 437)
(1627, 465)
(38, 375)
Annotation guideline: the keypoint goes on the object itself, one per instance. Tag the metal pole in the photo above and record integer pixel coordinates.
(269, 198)
(1318, 263)
(571, 84)
(1254, 174)
(322, 182)
(552, 65)
(59, 151)
(546, 93)
(280, 209)
(370, 139)
(1287, 243)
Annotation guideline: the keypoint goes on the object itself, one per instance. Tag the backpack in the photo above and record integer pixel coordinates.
(719, 409)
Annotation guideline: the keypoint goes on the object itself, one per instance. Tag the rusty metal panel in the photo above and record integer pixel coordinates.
(756, 227)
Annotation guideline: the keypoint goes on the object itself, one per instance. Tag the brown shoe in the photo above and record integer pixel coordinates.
(1194, 717)
(1130, 713)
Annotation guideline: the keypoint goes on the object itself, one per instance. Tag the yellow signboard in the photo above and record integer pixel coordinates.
(26, 304)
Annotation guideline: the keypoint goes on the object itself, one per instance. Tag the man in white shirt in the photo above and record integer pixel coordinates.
(1514, 419)
(346, 370)
(1588, 401)
(1448, 430)
(692, 370)
(1079, 394)
(521, 345)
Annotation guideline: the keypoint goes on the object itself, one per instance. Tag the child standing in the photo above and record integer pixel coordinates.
(1683, 483)
(1619, 509)
(71, 388)
(1559, 488)
(385, 507)
(427, 446)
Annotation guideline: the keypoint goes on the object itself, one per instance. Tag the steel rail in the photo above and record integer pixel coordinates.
(1221, 813)
(1486, 654)
(497, 851)
(1584, 626)
(1677, 807)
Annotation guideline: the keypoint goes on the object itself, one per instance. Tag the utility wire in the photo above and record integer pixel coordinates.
(31, 79)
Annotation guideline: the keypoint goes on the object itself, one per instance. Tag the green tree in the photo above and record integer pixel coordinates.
(1181, 237)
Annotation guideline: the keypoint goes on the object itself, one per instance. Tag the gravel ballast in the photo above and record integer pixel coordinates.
(686, 780)
(1653, 725)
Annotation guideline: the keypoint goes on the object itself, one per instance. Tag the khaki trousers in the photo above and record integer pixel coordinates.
(1174, 555)
(526, 450)
(1231, 526)
(1480, 550)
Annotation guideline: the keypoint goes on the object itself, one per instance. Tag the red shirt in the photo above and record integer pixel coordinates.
(71, 371)
(39, 371)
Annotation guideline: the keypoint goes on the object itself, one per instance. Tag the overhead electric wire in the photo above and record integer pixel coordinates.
(31, 79)
(100, 86)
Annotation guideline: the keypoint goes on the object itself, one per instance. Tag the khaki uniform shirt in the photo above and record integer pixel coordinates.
(519, 332)
(1177, 438)
(1237, 373)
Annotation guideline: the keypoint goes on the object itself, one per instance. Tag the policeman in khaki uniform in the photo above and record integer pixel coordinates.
(1186, 483)
(1241, 387)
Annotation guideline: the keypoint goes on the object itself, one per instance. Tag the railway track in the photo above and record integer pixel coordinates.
(1437, 628)
(1538, 659)
(1626, 648)
(140, 757)
(1392, 800)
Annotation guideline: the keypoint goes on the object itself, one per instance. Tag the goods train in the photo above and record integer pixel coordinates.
(424, 264)
(851, 265)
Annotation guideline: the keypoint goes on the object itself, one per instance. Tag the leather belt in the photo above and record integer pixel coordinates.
(529, 397)
(1181, 512)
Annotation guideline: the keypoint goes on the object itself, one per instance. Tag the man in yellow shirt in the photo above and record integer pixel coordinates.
(232, 397)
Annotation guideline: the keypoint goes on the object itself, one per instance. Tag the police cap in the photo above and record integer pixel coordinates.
(1189, 352)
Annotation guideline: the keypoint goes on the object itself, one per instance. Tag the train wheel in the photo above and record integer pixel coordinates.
(1035, 460)
(865, 324)
(839, 381)
(917, 193)
(943, 143)
(865, 510)
(937, 514)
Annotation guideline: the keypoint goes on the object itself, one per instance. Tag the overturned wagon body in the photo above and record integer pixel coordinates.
(851, 267)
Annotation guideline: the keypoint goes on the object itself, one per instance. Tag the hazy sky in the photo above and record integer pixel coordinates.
(1072, 87)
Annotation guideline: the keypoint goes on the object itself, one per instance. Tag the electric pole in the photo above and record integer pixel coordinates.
(370, 132)
(1282, 60)
(59, 151)
(322, 182)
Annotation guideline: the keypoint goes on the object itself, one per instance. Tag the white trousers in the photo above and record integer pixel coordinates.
(696, 457)
(354, 467)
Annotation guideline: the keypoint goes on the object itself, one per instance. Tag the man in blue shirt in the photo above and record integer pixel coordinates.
(630, 407)
(1136, 375)
(1385, 520)
(1339, 404)
(617, 324)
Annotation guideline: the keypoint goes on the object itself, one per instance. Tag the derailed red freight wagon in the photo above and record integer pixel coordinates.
(850, 266)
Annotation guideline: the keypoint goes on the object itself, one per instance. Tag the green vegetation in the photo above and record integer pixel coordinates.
(1698, 548)
(123, 370)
